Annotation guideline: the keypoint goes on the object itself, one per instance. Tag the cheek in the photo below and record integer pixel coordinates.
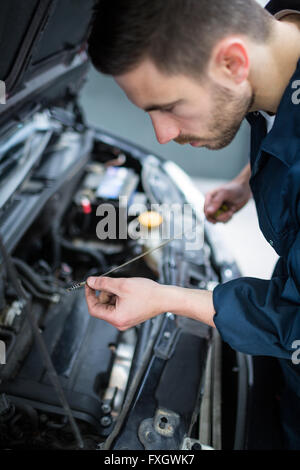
(197, 117)
(193, 122)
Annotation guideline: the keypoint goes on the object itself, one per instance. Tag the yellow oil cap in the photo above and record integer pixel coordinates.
(150, 219)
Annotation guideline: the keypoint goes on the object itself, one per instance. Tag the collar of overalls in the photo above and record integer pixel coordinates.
(283, 140)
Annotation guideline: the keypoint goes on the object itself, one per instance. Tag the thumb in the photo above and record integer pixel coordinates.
(107, 284)
(215, 201)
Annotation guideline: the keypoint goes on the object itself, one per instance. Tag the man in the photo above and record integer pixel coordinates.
(198, 68)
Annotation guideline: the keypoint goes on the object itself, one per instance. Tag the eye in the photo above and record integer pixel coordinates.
(168, 110)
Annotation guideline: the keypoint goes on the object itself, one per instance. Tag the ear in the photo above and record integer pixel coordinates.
(230, 61)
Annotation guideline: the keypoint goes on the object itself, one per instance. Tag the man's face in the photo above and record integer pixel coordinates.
(189, 111)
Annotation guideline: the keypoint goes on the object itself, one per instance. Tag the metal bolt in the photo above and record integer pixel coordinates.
(197, 446)
(105, 421)
(106, 408)
(163, 422)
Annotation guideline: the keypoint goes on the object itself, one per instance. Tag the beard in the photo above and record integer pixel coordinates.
(226, 118)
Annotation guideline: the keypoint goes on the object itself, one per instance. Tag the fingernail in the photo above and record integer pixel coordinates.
(91, 282)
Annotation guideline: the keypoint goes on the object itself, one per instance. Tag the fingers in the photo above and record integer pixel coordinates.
(107, 311)
(123, 302)
(108, 284)
(102, 305)
(111, 290)
(208, 198)
(214, 201)
(97, 306)
(91, 298)
(216, 208)
(107, 298)
(224, 217)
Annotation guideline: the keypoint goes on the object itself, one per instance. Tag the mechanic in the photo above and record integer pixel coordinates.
(198, 68)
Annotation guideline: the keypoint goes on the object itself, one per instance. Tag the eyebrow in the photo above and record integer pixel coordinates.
(161, 107)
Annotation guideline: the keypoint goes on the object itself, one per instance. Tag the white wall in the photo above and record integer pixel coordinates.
(262, 2)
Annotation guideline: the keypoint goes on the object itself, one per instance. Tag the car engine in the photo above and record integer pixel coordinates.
(50, 228)
(76, 201)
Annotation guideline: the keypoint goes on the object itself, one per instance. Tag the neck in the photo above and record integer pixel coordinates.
(275, 63)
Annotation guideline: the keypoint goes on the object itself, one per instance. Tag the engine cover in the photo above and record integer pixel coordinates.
(81, 350)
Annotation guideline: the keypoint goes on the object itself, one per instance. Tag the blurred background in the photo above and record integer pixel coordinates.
(106, 106)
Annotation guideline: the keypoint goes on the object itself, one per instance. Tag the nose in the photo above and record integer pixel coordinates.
(165, 127)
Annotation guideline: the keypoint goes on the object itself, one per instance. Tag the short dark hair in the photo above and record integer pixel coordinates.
(177, 35)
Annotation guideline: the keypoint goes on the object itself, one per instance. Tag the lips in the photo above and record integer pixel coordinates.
(195, 144)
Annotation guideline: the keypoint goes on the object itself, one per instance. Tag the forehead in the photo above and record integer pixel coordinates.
(146, 83)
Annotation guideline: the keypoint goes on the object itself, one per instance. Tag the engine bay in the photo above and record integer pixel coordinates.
(75, 201)
(55, 234)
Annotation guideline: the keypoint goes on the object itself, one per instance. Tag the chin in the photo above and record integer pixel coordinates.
(220, 144)
(216, 146)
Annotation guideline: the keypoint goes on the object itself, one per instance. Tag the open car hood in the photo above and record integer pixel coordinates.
(42, 43)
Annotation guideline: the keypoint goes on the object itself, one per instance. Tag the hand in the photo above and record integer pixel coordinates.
(124, 302)
(127, 302)
(227, 200)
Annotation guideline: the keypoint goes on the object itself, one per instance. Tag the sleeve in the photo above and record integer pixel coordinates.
(261, 317)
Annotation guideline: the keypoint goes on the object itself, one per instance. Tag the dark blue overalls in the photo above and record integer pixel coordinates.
(261, 317)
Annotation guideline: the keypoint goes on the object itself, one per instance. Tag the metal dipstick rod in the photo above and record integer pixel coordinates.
(145, 253)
